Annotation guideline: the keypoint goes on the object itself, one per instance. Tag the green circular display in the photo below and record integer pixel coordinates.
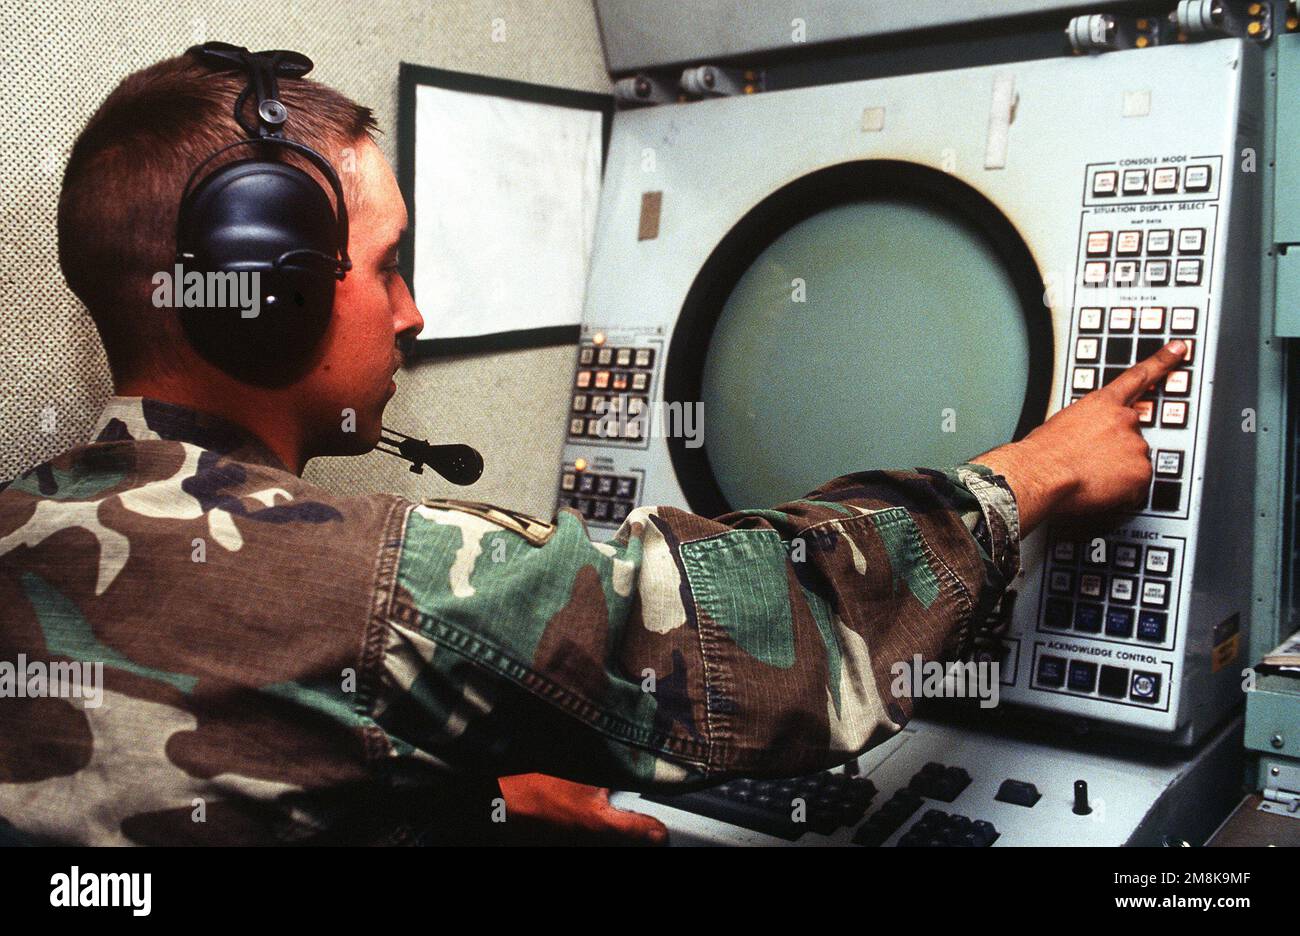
(907, 348)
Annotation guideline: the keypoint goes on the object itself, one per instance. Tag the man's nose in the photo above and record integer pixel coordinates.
(408, 322)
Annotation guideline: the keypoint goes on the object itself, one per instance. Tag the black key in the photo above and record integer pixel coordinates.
(1019, 793)
(937, 782)
(888, 819)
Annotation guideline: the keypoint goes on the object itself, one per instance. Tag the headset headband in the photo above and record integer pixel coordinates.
(263, 69)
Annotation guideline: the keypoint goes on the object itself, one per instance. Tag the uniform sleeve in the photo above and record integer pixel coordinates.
(685, 649)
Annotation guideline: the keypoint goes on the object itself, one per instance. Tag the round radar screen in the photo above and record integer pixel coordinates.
(872, 315)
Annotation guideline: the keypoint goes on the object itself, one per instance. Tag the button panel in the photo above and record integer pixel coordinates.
(601, 497)
(611, 389)
(1107, 587)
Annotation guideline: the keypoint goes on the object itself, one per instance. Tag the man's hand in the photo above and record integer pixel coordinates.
(551, 811)
(1089, 458)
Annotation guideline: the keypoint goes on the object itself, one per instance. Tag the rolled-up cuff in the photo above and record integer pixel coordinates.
(996, 525)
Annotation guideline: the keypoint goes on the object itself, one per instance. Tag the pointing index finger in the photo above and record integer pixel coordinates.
(1131, 384)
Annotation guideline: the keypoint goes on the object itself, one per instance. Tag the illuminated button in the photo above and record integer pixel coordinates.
(1182, 320)
(640, 381)
(626, 487)
(1152, 319)
(604, 356)
(636, 405)
(1126, 272)
(1051, 670)
(1061, 581)
(1157, 273)
(624, 357)
(1155, 594)
(1083, 676)
(586, 484)
(1085, 378)
(1178, 383)
(1096, 273)
(1173, 414)
(1123, 589)
(1146, 410)
(1188, 273)
(599, 403)
(1090, 319)
(584, 378)
(1099, 243)
(1196, 179)
(1119, 622)
(1063, 551)
(1126, 556)
(1121, 319)
(568, 480)
(1105, 183)
(1145, 687)
(1129, 243)
(1087, 349)
(579, 402)
(1169, 463)
(1165, 180)
(1152, 626)
(1159, 560)
(1091, 585)
(586, 355)
(602, 379)
(619, 382)
(1160, 242)
(645, 357)
(576, 426)
(1135, 182)
(1191, 240)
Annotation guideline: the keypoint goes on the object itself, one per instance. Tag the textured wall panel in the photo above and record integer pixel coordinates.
(60, 59)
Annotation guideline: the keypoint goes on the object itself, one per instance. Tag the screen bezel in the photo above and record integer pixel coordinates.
(797, 201)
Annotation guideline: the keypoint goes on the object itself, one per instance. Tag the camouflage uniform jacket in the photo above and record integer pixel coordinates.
(281, 664)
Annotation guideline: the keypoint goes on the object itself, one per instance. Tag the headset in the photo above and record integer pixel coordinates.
(263, 216)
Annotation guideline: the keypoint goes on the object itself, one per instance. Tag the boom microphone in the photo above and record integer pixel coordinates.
(459, 464)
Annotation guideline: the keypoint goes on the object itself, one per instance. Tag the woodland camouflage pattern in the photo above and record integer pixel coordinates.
(360, 669)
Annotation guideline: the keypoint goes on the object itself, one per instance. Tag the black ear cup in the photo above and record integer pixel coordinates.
(262, 235)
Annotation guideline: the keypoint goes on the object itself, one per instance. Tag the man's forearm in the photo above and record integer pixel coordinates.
(1038, 481)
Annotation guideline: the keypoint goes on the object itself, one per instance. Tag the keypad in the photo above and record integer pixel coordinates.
(611, 380)
(1110, 587)
(1162, 180)
(599, 497)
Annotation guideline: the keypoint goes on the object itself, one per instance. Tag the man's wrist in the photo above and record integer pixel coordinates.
(1039, 480)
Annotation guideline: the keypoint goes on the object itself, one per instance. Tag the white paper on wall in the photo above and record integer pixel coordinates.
(505, 212)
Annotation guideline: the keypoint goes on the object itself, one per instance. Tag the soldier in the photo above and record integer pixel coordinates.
(283, 664)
